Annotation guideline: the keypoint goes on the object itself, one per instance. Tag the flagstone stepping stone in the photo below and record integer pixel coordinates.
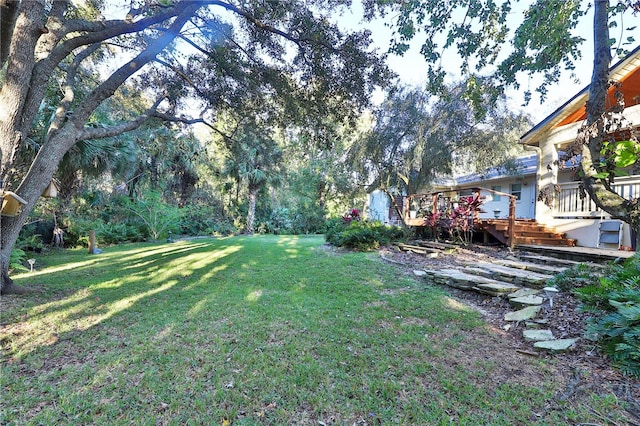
(524, 291)
(556, 261)
(512, 275)
(496, 288)
(537, 335)
(524, 301)
(529, 266)
(523, 314)
(559, 345)
(459, 279)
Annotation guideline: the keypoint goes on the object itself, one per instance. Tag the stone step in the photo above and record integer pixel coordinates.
(524, 291)
(496, 289)
(510, 275)
(462, 280)
(530, 266)
(538, 335)
(523, 314)
(559, 345)
(524, 301)
(548, 260)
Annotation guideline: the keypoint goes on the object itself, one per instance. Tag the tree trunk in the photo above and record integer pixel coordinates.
(21, 94)
(251, 214)
(599, 189)
(392, 200)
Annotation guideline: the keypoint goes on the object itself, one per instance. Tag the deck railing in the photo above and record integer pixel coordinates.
(439, 201)
(570, 202)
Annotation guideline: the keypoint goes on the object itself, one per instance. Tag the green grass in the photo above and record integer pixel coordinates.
(259, 330)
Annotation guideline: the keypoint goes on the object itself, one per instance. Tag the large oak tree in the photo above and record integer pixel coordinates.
(220, 54)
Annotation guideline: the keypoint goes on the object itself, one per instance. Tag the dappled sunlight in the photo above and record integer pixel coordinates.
(456, 305)
(51, 270)
(199, 307)
(376, 282)
(254, 296)
(210, 274)
(112, 283)
(293, 253)
(197, 261)
(80, 311)
(288, 240)
(124, 303)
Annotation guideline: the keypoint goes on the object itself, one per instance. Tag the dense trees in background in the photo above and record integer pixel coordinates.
(189, 62)
(417, 137)
(211, 117)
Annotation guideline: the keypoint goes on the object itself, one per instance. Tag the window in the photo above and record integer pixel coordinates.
(496, 197)
(516, 189)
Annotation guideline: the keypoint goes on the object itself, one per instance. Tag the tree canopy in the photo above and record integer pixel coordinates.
(193, 60)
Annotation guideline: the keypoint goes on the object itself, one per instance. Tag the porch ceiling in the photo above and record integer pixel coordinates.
(574, 110)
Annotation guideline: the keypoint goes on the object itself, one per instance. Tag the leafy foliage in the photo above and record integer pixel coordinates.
(618, 331)
(157, 216)
(362, 235)
(455, 221)
(17, 259)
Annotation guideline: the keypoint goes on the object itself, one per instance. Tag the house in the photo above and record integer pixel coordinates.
(545, 185)
(561, 205)
(378, 207)
(519, 181)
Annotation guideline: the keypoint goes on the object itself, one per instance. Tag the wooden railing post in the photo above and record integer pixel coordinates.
(512, 222)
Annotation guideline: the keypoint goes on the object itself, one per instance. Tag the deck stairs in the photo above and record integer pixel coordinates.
(526, 232)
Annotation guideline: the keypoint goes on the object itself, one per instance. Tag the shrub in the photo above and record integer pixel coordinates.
(618, 329)
(362, 235)
(157, 216)
(619, 332)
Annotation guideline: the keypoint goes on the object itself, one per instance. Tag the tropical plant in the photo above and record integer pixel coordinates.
(157, 216)
(619, 331)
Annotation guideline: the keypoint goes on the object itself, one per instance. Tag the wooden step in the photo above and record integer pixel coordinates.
(541, 241)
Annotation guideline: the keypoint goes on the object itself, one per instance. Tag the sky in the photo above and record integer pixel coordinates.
(412, 67)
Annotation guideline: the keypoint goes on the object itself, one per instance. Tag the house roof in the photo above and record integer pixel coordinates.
(526, 166)
(627, 72)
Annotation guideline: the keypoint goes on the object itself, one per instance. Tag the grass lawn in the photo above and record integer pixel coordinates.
(261, 330)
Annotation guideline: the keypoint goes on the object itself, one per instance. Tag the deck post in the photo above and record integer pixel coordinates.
(435, 203)
(512, 222)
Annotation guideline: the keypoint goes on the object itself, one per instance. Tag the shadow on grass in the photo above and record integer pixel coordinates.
(92, 289)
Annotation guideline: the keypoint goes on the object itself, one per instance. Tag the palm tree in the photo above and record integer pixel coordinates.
(254, 160)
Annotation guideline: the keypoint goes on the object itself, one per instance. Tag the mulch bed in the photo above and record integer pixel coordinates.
(588, 367)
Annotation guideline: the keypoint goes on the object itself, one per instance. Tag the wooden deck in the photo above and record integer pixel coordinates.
(578, 253)
(526, 231)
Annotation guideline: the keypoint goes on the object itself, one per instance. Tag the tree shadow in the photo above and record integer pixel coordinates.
(102, 287)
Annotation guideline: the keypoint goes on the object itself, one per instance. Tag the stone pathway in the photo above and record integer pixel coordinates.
(521, 280)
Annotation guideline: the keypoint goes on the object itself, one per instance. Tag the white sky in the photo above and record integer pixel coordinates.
(412, 67)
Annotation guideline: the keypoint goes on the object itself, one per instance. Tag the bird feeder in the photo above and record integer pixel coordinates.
(12, 204)
(52, 190)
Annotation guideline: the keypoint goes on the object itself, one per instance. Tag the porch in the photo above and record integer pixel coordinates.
(448, 209)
